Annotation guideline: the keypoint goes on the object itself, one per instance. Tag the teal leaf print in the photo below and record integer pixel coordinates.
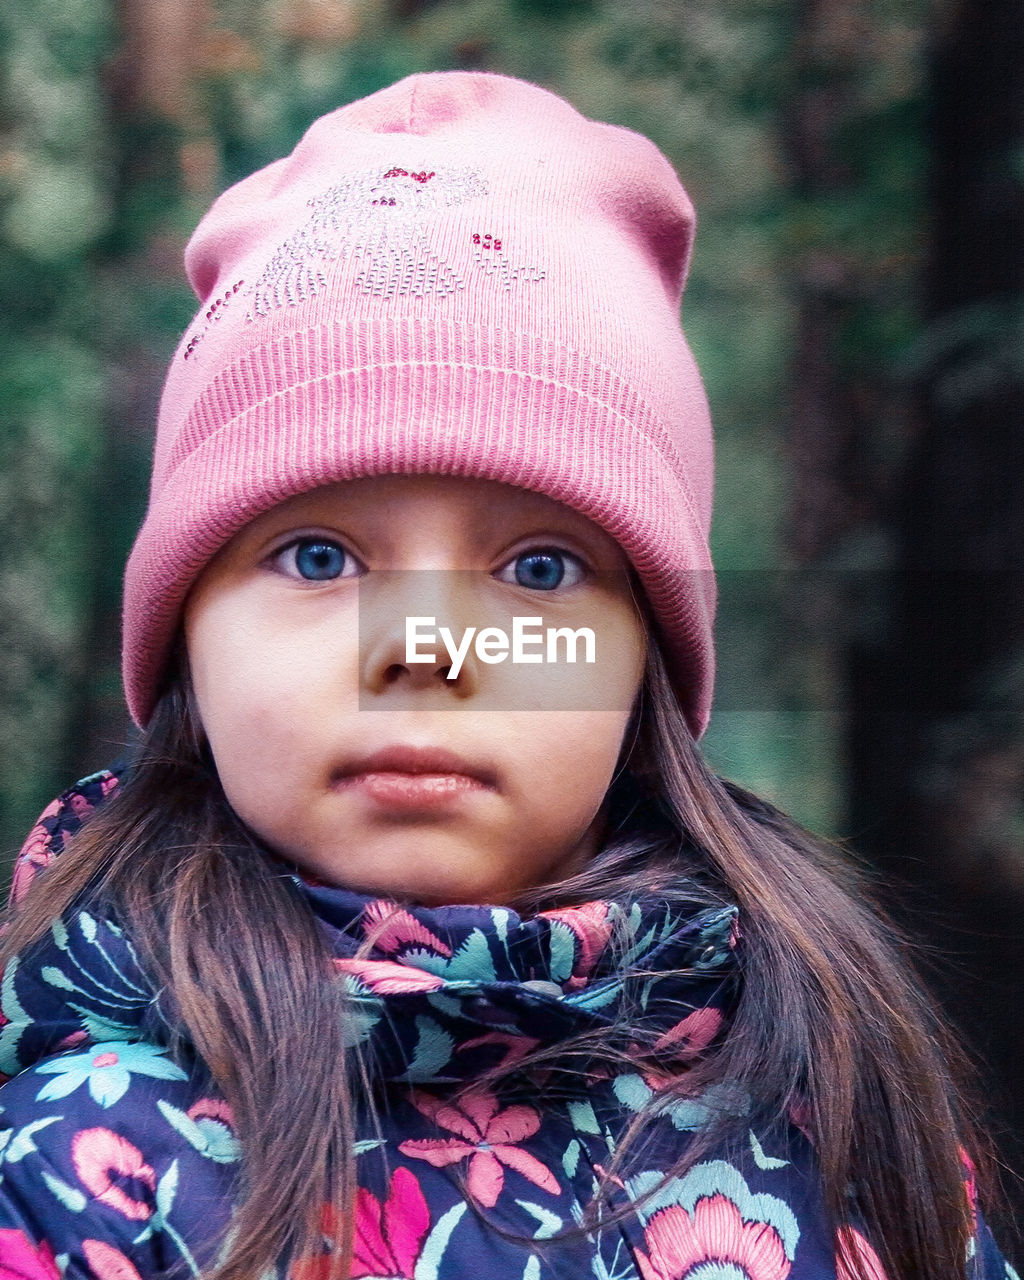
(623, 1268)
(532, 1269)
(571, 1158)
(499, 918)
(687, 1114)
(100, 1028)
(446, 1005)
(21, 1144)
(166, 1190)
(760, 1159)
(60, 933)
(433, 1052)
(563, 951)
(429, 1261)
(596, 996)
(690, 1115)
(183, 1123)
(209, 1137)
(550, 1223)
(632, 1091)
(88, 926)
(361, 1015)
(17, 1021)
(57, 978)
(472, 961)
(70, 1197)
(583, 1117)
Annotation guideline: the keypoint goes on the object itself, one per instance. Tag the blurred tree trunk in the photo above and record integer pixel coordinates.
(937, 729)
(907, 507)
(824, 426)
(160, 151)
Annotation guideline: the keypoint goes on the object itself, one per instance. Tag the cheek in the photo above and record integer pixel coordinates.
(268, 670)
(254, 698)
(572, 755)
(570, 760)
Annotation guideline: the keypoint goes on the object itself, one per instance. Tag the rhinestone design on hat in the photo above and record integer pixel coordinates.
(384, 220)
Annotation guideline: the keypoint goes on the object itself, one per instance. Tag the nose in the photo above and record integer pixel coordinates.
(409, 623)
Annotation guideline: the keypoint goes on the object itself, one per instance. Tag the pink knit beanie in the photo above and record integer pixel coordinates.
(457, 275)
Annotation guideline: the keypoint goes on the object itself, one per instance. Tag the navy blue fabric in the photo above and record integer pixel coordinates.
(120, 1161)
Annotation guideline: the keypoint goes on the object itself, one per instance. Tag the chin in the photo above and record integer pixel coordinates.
(435, 890)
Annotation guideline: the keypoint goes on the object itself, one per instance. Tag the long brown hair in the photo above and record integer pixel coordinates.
(831, 1025)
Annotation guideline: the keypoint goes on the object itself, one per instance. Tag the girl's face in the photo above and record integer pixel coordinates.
(380, 773)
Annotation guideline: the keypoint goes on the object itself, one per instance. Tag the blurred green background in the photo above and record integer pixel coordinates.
(855, 305)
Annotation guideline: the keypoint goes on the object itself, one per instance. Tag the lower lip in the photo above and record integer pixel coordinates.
(411, 791)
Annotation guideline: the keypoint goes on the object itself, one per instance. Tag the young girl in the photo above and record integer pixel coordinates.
(420, 619)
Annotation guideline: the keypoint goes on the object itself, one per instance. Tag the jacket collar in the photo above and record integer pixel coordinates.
(435, 993)
(441, 994)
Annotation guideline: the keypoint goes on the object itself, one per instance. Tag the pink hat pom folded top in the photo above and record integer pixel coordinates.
(458, 275)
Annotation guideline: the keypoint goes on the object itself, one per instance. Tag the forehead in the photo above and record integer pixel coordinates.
(426, 501)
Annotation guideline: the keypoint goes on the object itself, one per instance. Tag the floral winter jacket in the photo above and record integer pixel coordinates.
(118, 1163)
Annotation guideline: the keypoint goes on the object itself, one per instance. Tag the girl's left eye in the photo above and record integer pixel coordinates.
(544, 569)
(316, 560)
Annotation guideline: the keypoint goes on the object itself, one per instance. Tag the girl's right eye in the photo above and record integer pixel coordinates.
(316, 560)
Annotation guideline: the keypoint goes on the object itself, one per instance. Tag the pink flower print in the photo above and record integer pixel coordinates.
(516, 1047)
(970, 1184)
(856, 1259)
(486, 1135)
(680, 1245)
(692, 1035)
(800, 1118)
(35, 854)
(71, 1041)
(107, 1263)
(592, 928)
(20, 1259)
(215, 1123)
(386, 978)
(212, 1109)
(100, 1157)
(80, 807)
(394, 931)
(388, 1236)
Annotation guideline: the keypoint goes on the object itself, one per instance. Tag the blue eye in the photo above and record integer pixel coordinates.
(316, 560)
(546, 569)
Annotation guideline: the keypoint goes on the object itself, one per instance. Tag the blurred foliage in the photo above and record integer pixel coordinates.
(112, 145)
(54, 208)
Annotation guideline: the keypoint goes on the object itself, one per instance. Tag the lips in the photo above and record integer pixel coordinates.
(415, 783)
(417, 762)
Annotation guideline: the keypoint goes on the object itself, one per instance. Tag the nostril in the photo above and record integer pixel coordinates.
(394, 672)
(443, 672)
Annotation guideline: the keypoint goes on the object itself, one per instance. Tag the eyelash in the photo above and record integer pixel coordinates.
(294, 547)
(568, 559)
